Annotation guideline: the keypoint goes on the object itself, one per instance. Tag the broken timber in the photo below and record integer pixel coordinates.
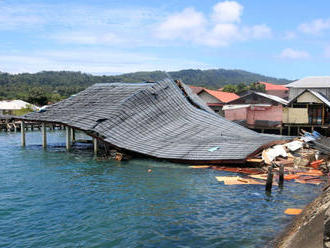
(161, 120)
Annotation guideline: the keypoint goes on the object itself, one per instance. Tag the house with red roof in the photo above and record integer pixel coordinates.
(216, 99)
(276, 90)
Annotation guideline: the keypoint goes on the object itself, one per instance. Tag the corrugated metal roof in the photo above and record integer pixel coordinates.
(156, 119)
(269, 86)
(311, 82)
(320, 96)
(272, 97)
(222, 96)
(196, 89)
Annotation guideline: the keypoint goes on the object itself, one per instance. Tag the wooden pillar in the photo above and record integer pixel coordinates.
(281, 130)
(95, 146)
(68, 138)
(269, 181)
(281, 176)
(289, 130)
(23, 133)
(298, 130)
(44, 135)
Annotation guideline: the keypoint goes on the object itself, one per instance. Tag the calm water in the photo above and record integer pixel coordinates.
(57, 199)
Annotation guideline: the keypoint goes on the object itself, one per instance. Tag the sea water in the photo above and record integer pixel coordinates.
(53, 198)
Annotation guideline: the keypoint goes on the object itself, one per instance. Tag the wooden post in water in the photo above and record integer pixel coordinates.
(23, 133)
(68, 138)
(44, 135)
(95, 145)
(269, 182)
(281, 176)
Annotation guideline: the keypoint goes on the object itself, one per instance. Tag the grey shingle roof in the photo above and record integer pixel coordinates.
(155, 119)
(311, 82)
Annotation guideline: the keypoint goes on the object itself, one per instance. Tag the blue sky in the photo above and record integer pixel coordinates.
(288, 39)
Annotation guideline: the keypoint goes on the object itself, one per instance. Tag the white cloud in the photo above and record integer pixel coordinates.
(290, 53)
(220, 29)
(221, 35)
(259, 31)
(315, 26)
(187, 24)
(87, 38)
(227, 12)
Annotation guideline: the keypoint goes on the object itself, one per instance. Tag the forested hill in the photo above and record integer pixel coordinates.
(42, 87)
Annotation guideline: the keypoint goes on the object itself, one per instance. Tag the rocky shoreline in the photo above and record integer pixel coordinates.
(310, 229)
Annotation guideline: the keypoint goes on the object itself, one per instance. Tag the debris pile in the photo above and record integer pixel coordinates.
(305, 159)
(310, 151)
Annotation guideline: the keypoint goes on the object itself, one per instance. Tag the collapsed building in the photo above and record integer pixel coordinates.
(161, 119)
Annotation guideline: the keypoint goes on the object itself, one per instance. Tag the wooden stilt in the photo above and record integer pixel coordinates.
(269, 182)
(95, 146)
(44, 135)
(281, 130)
(68, 138)
(289, 130)
(281, 176)
(23, 133)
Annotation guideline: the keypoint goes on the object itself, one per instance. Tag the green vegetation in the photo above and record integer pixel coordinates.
(23, 111)
(241, 87)
(50, 86)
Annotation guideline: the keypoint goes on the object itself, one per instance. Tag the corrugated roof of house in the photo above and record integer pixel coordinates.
(269, 86)
(271, 97)
(311, 82)
(319, 95)
(156, 119)
(196, 89)
(222, 96)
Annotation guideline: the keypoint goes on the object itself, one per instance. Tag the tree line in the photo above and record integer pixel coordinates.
(51, 86)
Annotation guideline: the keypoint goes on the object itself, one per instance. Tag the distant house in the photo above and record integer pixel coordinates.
(309, 108)
(9, 107)
(216, 99)
(319, 84)
(276, 90)
(256, 110)
(196, 89)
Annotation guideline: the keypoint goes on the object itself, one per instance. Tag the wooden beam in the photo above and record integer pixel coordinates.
(68, 138)
(44, 135)
(23, 133)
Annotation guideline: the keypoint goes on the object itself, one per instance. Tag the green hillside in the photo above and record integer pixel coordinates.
(51, 86)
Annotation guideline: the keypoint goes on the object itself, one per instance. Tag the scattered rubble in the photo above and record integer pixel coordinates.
(304, 159)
